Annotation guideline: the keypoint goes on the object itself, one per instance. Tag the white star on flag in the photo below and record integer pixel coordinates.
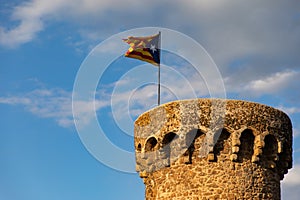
(152, 48)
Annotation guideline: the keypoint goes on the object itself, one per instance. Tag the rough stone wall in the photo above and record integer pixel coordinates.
(213, 149)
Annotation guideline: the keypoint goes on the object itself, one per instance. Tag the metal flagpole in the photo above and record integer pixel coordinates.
(158, 99)
(158, 92)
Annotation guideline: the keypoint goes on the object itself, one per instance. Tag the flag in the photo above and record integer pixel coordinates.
(144, 48)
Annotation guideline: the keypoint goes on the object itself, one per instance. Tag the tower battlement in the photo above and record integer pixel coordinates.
(213, 149)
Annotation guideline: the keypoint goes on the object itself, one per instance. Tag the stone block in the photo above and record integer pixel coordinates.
(235, 149)
(236, 142)
(233, 157)
(143, 174)
(257, 151)
(254, 159)
(211, 157)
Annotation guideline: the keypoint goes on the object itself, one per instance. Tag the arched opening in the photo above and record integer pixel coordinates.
(222, 144)
(269, 152)
(168, 138)
(150, 144)
(167, 146)
(139, 147)
(246, 147)
(271, 146)
(191, 138)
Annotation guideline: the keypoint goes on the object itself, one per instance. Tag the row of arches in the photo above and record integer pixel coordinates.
(222, 144)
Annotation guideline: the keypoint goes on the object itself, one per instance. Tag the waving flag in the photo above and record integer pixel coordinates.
(144, 48)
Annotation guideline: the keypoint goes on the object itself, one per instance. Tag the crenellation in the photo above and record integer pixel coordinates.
(213, 149)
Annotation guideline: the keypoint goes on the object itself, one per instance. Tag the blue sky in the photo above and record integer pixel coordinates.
(45, 46)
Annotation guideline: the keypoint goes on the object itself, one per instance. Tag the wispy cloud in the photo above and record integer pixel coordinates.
(291, 183)
(253, 43)
(270, 84)
(129, 99)
(30, 16)
(45, 103)
(292, 178)
(289, 110)
(229, 31)
(54, 104)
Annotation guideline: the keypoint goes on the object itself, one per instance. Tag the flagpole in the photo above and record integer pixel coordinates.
(158, 97)
(158, 89)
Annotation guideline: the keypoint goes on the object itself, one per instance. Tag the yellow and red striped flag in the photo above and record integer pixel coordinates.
(144, 48)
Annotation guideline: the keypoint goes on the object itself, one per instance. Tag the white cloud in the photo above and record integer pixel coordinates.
(25, 32)
(228, 29)
(15, 100)
(293, 176)
(289, 110)
(273, 84)
(30, 16)
(252, 42)
(291, 184)
(55, 104)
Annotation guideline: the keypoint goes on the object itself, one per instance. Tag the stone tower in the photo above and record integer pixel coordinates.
(213, 149)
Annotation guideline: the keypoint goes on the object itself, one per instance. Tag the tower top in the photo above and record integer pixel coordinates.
(182, 144)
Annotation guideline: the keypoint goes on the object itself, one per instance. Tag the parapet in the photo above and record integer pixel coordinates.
(185, 143)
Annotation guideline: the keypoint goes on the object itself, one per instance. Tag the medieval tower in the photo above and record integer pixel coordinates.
(213, 149)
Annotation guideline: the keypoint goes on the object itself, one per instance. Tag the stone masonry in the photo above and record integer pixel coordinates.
(213, 149)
